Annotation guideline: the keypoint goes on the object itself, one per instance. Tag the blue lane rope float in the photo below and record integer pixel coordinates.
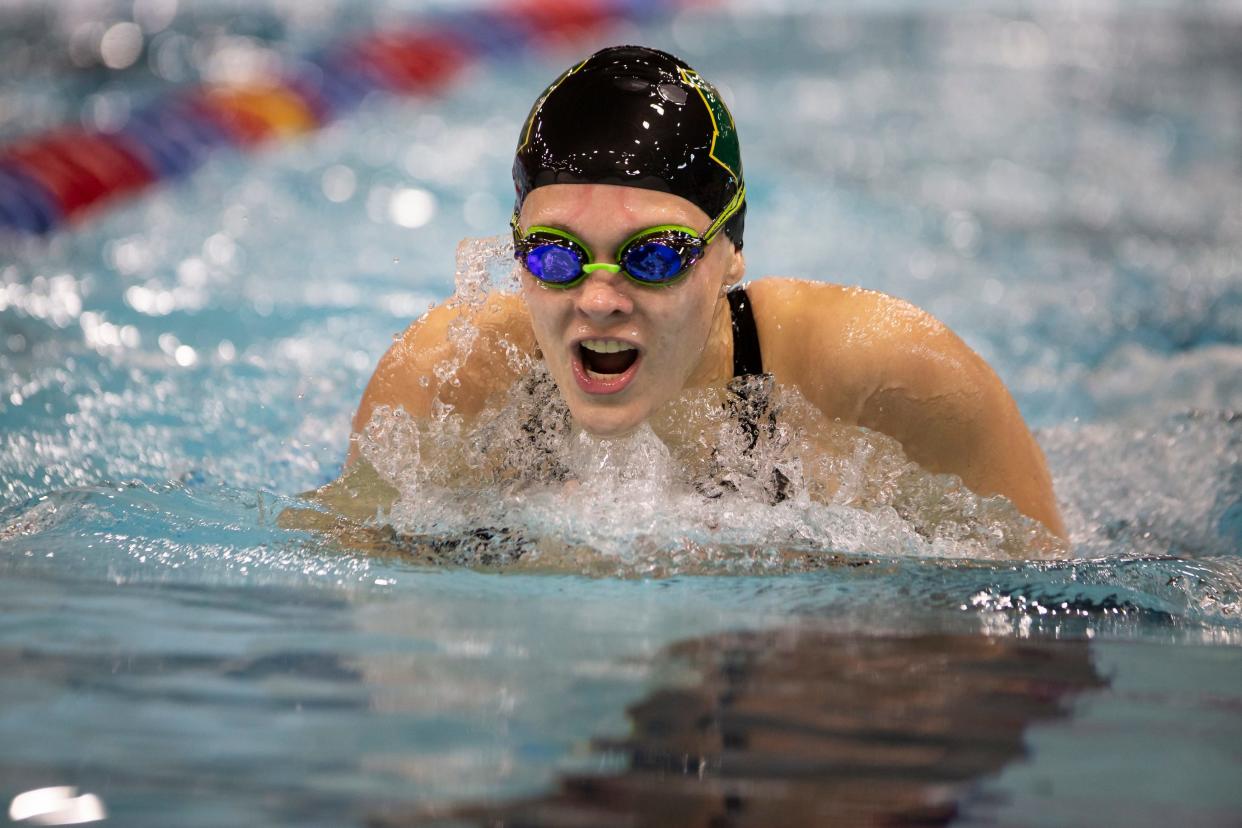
(172, 138)
(25, 205)
(51, 179)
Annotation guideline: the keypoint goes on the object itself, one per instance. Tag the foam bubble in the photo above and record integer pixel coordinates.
(557, 497)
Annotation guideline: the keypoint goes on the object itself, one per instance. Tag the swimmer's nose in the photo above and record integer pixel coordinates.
(603, 295)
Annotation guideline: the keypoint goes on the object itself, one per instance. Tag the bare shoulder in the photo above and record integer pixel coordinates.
(841, 344)
(455, 353)
(873, 360)
(448, 329)
(835, 314)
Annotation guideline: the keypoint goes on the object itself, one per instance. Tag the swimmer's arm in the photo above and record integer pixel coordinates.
(953, 415)
(348, 505)
(870, 359)
(353, 499)
(406, 376)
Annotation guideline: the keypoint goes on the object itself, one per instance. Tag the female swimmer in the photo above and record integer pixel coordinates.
(628, 226)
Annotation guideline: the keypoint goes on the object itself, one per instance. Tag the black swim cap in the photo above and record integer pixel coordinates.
(637, 117)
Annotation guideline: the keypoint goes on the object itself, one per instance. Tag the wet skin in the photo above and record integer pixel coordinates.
(860, 357)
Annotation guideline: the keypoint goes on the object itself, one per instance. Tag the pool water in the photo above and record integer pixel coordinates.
(1058, 183)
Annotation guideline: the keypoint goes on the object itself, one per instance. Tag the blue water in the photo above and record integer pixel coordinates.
(1057, 183)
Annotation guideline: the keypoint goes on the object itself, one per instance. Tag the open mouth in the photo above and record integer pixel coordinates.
(607, 357)
(606, 365)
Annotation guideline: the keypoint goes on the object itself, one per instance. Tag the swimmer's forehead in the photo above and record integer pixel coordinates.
(608, 208)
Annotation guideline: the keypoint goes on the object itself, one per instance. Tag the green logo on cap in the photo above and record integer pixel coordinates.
(725, 149)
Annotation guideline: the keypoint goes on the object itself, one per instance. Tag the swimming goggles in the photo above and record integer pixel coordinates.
(657, 256)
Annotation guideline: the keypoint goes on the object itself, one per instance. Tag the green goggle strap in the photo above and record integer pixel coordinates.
(732, 207)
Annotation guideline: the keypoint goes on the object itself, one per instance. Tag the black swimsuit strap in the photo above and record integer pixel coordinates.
(746, 356)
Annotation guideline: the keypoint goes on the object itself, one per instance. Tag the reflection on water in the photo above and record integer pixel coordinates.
(802, 726)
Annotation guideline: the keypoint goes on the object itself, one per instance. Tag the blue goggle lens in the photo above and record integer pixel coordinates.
(653, 262)
(554, 263)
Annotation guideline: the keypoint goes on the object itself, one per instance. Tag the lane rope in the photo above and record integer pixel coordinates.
(53, 179)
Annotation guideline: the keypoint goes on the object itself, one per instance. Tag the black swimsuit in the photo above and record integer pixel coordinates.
(749, 399)
(747, 360)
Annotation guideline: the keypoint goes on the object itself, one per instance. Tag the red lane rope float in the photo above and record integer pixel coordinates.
(564, 22)
(78, 168)
(410, 62)
(56, 177)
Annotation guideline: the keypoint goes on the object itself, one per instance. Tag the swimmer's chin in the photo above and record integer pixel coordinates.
(606, 425)
(609, 433)
(612, 416)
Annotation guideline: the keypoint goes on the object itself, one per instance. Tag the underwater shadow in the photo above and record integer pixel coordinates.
(801, 726)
